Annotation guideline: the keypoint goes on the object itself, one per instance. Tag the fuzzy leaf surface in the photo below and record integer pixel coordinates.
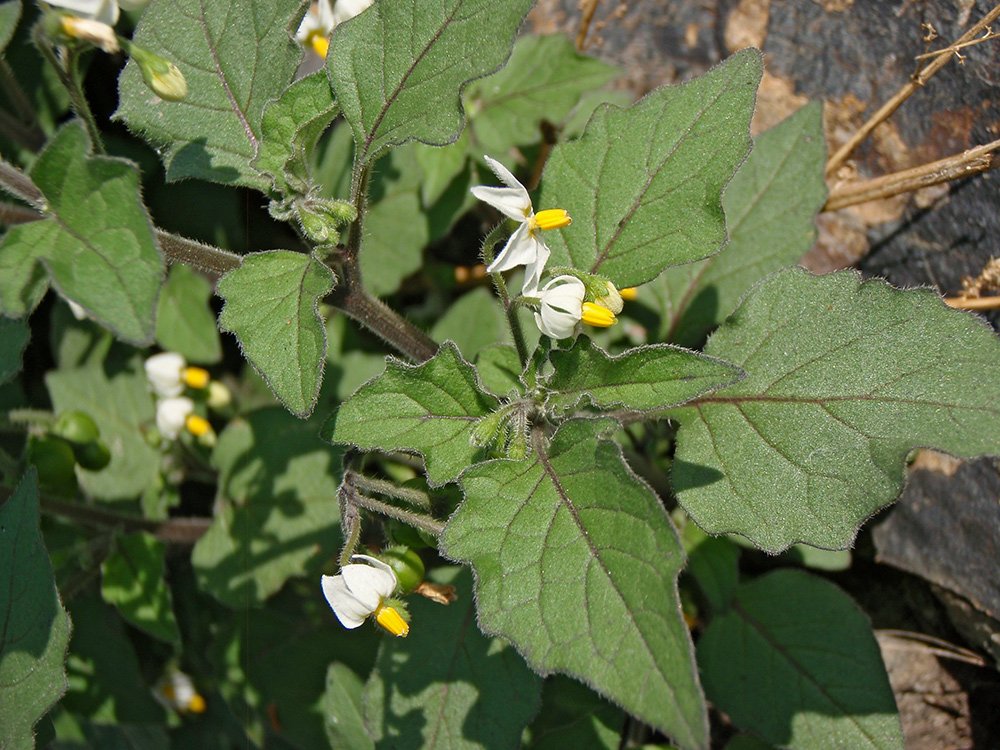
(97, 243)
(289, 129)
(429, 409)
(844, 379)
(34, 627)
(474, 321)
(14, 335)
(398, 68)
(644, 184)
(236, 55)
(544, 79)
(641, 379)
(272, 306)
(447, 685)
(576, 564)
(795, 661)
(185, 322)
(122, 407)
(771, 207)
(278, 514)
(132, 579)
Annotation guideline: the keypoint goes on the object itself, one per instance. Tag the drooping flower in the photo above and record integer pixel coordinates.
(176, 691)
(561, 307)
(168, 373)
(525, 247)
(177, 413)
(360, 590)
(322, 18)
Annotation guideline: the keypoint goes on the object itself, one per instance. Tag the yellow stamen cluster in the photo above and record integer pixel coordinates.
(551, 218)
(629, 293)
(392, 621)
(597, 315)
(197, 425)
(195, 377)
(319, 43)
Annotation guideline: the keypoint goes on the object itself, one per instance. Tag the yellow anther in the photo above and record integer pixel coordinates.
(197, 704)
(320, 44)
(168, 692)
(197, 425)
(552, 218)
(392, 621)
(630, 293)
(195, 377)
(597, 315)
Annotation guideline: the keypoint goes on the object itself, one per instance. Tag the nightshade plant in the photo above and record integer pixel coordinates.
(731, 399)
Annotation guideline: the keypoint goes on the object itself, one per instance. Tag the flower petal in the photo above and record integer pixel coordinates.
(505, 175)
(345, 606)
(562, 300)
(520, 250)
(508, 202)
(533, 270)
(370, 584)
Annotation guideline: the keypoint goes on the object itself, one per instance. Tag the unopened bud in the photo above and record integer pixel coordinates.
(219, 397)
(162, 76)
(321, 218)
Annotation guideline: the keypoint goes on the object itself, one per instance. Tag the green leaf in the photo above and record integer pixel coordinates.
(394, 86)
(795, 662)
(770, 206)
(77, 343)
(576, 563)
(289, 129)
(642, 379)
(185, 322)
(500, 369)
(105, 681)
(844, 378)
(440, 165)
(429, 409)
(446, 685)
(97, 243)
(272, 306)
(342, 709)
(714, 564)
(278, 514)
(474, 321)
(543, 80)
(573, 716)
(121, 406)
(236, 56)
(35, 628)
(10, 14)
(132, 579)
(396, 227)
(14, 335)
(644, 184)
(23, 281)
(819, 559)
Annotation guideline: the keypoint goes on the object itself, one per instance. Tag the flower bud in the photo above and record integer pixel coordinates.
(162, 76)
(88, 30)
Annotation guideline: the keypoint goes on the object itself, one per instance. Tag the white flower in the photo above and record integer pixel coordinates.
(322, 18)
(360, 590)
(103, 11)
(176, 690)
(172, 415)
(168, 374)
(525, 247)
(561, 307)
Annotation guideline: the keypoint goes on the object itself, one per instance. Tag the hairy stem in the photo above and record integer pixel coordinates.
(351, 496)
(509, 308)
(67, 70)
(384, 487)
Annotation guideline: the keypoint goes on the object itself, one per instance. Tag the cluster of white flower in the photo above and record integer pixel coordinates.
(168, 375)
(176, 691)
(565, 300)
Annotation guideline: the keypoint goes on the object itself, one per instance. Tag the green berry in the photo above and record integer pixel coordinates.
(93, 456)
(77, 427)
(53, 457)
(407, 566)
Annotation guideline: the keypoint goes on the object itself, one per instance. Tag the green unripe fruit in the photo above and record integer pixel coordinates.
(53, 457)
(407, 566)
(93, 456)
(77, 427)
(403, 534)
